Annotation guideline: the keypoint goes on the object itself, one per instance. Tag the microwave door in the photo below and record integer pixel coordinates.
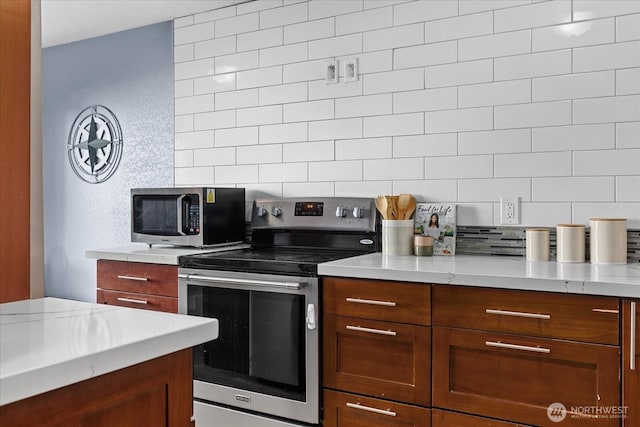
(182, 208)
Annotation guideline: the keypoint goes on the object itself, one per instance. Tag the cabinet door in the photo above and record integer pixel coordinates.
(350, 410)
(380, 359)
(454, 419)
(631, 363)
(518, 378)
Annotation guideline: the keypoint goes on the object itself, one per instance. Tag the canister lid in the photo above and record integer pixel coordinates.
(607, 219)
(570, 225)
(536, 229)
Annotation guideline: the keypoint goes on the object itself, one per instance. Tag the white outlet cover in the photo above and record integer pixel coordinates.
(331, 71)
(509, 210)
(350, 69)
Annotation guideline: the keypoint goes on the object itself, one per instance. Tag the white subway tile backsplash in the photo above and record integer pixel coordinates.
(533, 65)
(571, 86)
(312, 30)
(325, 8)
(459, 27)
(533, 115)
(542, 214)
(260, 39)
(374, 62)
(259, 77)
(474, 213)
(576, 34)
(194, 176)
(362, 188)
(212, 84)
(393, 81)
(392, 169)
(499, 93)
(602, 110)
(235, 174)
(581, 212)
(192, 140)
(628, 81)
(358, 106)
(628, 135)
(191, 69)
(491, 189)
(372, 4)
(440, 144)
(183, 158)
(214, 156)
(335, 46)
(573, 189)
(436, 190)
(390, 38)
(303, 71)
(534, 15)
(215, 120)
(215, 47)
(293, 132)
(606, 57)
(237, 25)
(320, 90)
(459, 74)
(282, 94)
(366, 148)
(236, 99)
(236, 136)
(495, 141)
(183, 88)
(350, 170)
(257, 6)
(533, 164)
(221, 13)
(259, 115)
(571, 138)
(474, 6)
(628, 188)
(236, 62)
(193, 33)
(193, 104)
(371, 19)
(183, 53)
(503, 44)
(183, 22)
(606, 162)
(589, 9)
(283, 54)
(258, 154)
(425, 100)
(418, 11)
(628, 28)
(459, 167)
(184, 123)
(335, 129)
(285, 15)
(308, 111)
(467, 119)
(426, 54)
(396, 124)
(308, 151)
(304, 189)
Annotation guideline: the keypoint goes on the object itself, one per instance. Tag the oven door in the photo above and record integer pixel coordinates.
(266, 358)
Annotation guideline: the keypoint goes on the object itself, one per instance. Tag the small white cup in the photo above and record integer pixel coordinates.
(397, 237)
(537, 244)
(570, 242)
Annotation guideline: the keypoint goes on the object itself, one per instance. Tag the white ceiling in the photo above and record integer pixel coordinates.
(65, 21)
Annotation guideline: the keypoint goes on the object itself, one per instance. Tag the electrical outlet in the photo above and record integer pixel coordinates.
(509, 210)
(331, 71)
(350, 70)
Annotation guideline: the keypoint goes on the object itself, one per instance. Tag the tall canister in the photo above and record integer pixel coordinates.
(608, 240)
(570, 243)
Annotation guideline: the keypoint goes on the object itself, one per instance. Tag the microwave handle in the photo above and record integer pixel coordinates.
(179, 216)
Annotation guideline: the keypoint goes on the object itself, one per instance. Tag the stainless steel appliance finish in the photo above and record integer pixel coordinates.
(195, 216)
(263, 370)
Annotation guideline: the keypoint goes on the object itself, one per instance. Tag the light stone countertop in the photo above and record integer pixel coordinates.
(49, 343)
(493, 271)
(157, 254)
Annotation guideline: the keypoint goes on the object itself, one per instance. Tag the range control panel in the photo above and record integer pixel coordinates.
(330, 213)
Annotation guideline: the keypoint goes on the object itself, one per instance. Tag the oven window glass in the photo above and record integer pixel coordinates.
(261, 342)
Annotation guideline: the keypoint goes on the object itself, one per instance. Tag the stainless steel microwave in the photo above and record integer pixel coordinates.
(196, 216)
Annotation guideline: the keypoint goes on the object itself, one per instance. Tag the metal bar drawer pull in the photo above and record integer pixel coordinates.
(517, 347)
(135, 301)
(371, 331)
(370, 409)
(605, 310)
(518, 314)
(371, 302)
(138, 279)
(632, 337)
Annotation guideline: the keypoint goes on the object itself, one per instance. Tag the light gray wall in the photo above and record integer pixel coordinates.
(131, 73)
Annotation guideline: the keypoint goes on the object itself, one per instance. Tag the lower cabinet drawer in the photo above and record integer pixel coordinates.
(453, 419)
(378, 359)
(144, 301)
(518, 378)
(350, 410)
(138, 277)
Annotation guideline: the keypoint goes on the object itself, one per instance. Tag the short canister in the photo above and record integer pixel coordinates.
(423, 245)
(397, 237)
(570, 242)
(537, 240)
(608, 240)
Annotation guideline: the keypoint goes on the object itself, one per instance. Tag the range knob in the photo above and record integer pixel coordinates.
(341, 212)
(276, 211)
(260, 211)
(358, 212)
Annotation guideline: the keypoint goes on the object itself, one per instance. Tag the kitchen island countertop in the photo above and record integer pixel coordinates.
(49, 343)
(493, 271)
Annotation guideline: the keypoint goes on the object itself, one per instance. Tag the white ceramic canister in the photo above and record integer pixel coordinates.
(570, 242)
(537, 240)
(397, 237)
(608, 240)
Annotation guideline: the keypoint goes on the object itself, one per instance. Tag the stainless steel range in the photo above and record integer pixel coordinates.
(264, 369)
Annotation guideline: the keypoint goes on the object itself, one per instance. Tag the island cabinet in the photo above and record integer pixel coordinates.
(376, 353)
(139, 285)
(631, 362)
(518, 356)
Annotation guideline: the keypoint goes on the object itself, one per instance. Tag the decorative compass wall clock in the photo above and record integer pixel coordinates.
(95, 144)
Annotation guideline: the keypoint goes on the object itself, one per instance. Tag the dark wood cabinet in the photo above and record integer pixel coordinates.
(138, 285)
(441, 418)
(631, 363)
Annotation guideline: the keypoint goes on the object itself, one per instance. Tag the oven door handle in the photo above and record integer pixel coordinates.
(265, 283)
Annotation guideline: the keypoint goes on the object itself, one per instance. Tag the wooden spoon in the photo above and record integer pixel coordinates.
(382, 205)
(404, 200)
(411, 208)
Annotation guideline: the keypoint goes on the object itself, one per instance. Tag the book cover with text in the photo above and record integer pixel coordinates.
(437, 220)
